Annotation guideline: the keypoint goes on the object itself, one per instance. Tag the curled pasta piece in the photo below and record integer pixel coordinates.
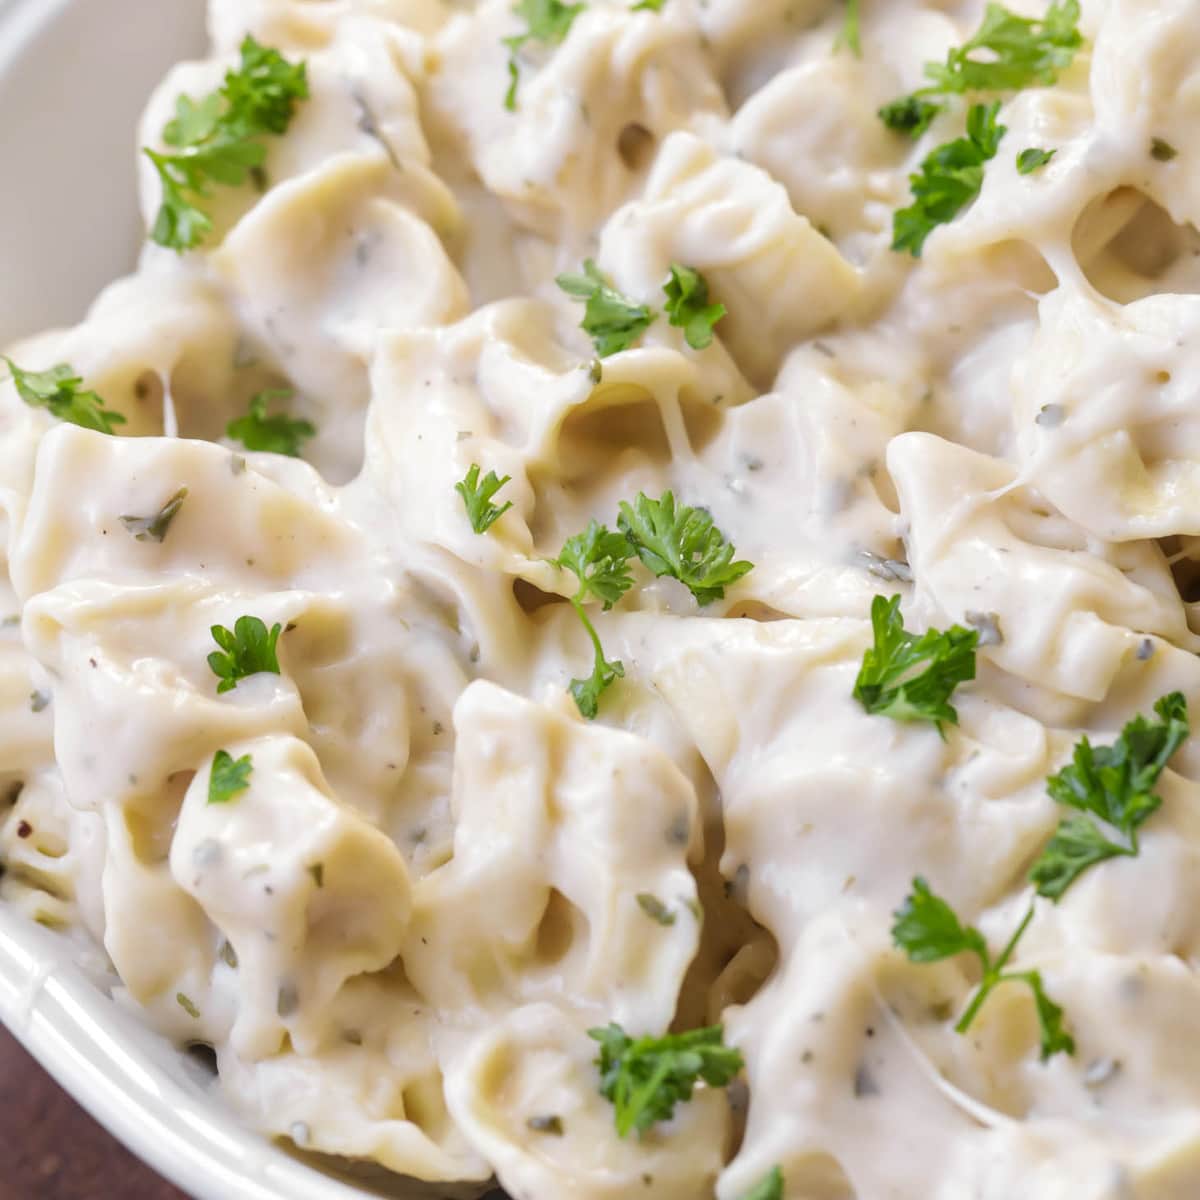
(525, 1093)
(374, 1093)
(586, 120)
(1104, 414)
(306, 892)
(986, 551)
(779, 278)
(531, 788)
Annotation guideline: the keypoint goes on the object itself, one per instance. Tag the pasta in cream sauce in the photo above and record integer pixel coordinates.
(397, 930)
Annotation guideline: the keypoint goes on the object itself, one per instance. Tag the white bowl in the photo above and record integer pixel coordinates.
(74, 75)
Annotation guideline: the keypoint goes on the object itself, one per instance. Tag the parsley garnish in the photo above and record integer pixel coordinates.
(612, 321)
(890, 683)
(248, 650)
(1031, 159)
(228, 776)
(279, 433)
(681, 542)
(1114, 783)
(848, 35)
(648, 6)
(599, 559)
(927, 929)
(1110, 782)
(217, 140)
(769, 1187)
(58, 390)
(688, 308)
(546, 21)
(909, 114)
(188, 1007)
(1006, 53)
(477, 497)
(154, 529)
(949, 179)
(646, 1078)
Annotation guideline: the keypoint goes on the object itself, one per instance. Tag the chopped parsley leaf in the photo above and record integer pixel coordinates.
(1009, 52)
(612, 321)
(687, 306)
(217, 140)
(279, 434)
(187, 1006)
(57, 390)
(909, 114)
(927, 929)
(154, 528)
(949, 179)
(1030, 159)
(228, 777)
(770, 1187)
(477, 496)
(848, 35)
(645, 1078)
(681, 542)
(547, 21)
(599, 559)
(910, 678)
(1115, 784)
(248, 649)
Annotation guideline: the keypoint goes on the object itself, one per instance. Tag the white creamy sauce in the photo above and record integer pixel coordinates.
(397, 936)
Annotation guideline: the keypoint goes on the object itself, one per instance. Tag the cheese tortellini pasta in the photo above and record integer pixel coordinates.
(293, 736)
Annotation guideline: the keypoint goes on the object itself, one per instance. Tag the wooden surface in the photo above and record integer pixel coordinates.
(50, 1149)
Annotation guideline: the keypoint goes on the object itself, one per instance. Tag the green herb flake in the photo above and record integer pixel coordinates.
(477, 496)
(546, 21)
(687, 306)
(217, 140)
(645, 1078)
(246, 650)
(1115, 784)
(910, 115)
(910, 678)
(552, 1125)
(187, 1006)
(58, 391)
(927, 929)
(770, 1187)
(1162, 151)
(317, 871)
(612, 321)
(682, 542)
(154, 528)
(1008, 52)
(1031, 159)
(655, 909)
(849, 34)
(228, 777)
(950, 178)
(278, 434)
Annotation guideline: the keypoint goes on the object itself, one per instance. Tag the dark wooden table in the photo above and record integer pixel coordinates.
(50, 1149)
